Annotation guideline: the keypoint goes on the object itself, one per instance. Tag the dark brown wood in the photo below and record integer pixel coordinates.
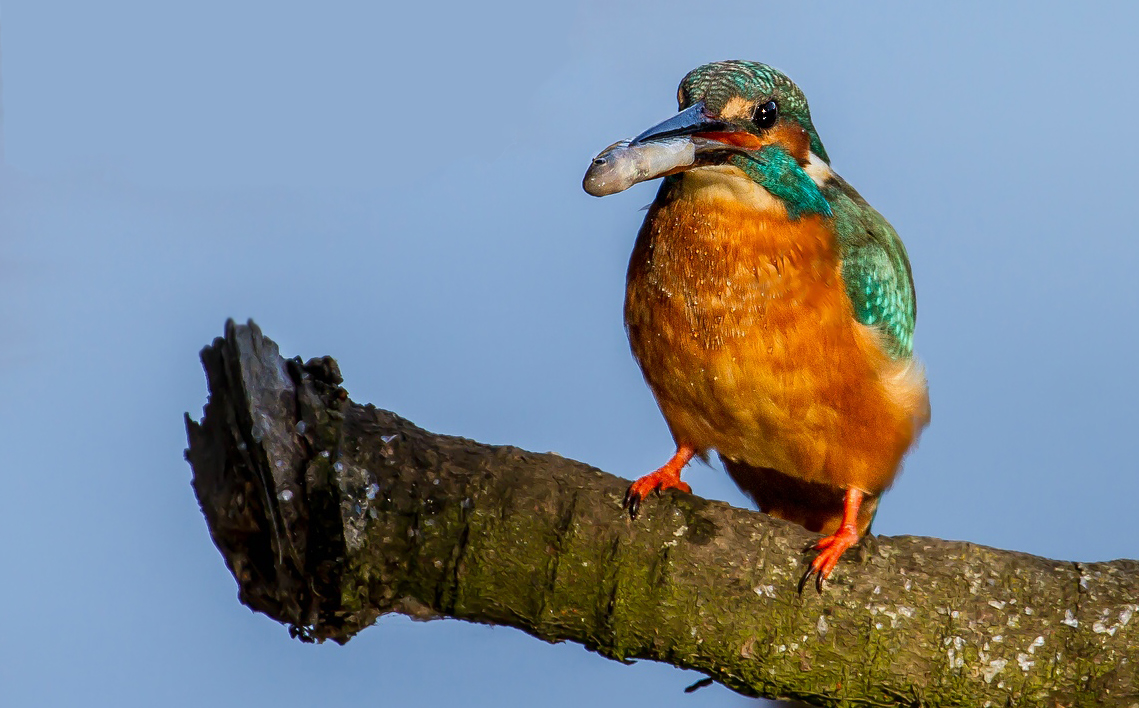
(330, 513)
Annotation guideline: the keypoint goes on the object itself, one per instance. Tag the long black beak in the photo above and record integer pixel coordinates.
(693, 119)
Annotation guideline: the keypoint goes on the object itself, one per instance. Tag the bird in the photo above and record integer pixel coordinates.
(770, 308)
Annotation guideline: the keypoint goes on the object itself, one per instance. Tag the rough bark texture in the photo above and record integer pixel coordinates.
(331, 513)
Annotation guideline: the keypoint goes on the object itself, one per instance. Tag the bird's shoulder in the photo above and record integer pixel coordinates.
(875, 267)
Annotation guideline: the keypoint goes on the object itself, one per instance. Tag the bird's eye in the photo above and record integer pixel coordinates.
(765, 115)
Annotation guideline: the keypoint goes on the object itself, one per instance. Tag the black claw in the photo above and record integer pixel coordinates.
(632, 503)
(820, 581)
(803, 580)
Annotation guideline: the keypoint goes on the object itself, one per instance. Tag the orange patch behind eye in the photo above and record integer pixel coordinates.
(739, 138)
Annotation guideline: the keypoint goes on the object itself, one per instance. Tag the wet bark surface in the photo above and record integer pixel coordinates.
(331, 513)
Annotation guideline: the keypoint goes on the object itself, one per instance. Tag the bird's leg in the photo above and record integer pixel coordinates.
(667, 477)
(832, 547)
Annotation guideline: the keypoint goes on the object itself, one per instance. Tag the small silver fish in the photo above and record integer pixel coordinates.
(622, 165)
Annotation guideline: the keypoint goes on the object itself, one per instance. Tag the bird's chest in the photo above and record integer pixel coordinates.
(712, 275)
(737, 316)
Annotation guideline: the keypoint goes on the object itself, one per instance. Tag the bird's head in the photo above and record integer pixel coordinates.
(744, 104)
(745, 118)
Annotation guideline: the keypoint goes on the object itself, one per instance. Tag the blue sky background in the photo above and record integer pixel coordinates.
(399, 187)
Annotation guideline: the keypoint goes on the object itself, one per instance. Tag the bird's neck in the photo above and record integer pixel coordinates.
(721, 210)
(769, 181)
(727, 183)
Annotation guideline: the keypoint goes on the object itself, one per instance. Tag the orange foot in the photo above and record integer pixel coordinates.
(832, 547)
(667, 477)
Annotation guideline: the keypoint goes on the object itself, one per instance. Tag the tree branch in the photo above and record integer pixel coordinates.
(330, 514)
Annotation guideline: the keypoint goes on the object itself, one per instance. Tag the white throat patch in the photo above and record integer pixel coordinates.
(731, 183)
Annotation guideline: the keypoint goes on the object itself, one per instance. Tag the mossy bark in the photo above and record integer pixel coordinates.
(331, 513)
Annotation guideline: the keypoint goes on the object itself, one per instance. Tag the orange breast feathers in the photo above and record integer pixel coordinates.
(742, 327)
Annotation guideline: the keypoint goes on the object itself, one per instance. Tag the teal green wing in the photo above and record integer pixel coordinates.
(875, 268)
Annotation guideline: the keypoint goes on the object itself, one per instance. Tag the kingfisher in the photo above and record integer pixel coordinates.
(771, 309)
